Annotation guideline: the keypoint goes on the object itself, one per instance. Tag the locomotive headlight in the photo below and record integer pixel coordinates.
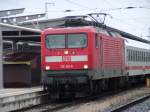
(47, 67)
(85, 66)
(65, 52)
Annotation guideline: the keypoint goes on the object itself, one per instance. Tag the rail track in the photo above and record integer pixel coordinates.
(131, 103)
(56, 106)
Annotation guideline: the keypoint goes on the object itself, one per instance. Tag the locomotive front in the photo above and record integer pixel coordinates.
(65, 60)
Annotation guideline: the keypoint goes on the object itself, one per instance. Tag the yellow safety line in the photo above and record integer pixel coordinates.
(23, 62)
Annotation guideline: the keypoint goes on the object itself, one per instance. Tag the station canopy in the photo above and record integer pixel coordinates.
(19, 33)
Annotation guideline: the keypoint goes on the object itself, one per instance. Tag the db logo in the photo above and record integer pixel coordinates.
(66, 58)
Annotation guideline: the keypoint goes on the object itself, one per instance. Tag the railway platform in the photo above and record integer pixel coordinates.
(15, 99)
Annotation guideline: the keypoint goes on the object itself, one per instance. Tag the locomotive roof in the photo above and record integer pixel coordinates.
(71, 29)
(77, 21)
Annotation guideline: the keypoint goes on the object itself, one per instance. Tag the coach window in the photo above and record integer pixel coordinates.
(149, 56)
(137, 56)
(144, 56)
(133, 56)
(140, 55)
(129, 54)
(134, 53)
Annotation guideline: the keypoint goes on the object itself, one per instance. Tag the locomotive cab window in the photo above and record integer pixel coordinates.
(77, 40)
(55, 41)
(66, 41)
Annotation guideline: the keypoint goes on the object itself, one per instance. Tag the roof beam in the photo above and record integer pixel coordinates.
(21, 18)
(10, 12)
(20, 28)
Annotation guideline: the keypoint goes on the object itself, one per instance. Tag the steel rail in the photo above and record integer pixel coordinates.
(131, 103)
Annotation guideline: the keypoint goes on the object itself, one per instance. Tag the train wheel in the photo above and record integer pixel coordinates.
(45, 88)
(97, 87)
(113, 83)
(104, 84)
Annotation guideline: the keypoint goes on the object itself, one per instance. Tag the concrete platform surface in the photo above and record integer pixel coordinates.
(17, 91)
(14, 99)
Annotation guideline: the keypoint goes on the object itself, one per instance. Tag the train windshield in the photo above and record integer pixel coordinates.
(77, 40)
(55, 41)
(66, 41)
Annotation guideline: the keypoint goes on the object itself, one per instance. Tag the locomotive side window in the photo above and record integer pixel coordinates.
(96, 40)
(77, 40)
(55, 41)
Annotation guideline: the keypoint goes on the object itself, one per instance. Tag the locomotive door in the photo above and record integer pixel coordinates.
(101, 56)
(98, 53)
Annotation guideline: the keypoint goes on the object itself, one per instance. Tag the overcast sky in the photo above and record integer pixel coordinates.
(135, 21)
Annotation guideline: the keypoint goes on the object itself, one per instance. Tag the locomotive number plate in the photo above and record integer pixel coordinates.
(66, 58)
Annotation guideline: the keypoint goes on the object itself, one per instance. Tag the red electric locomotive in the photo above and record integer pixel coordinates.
(76, 59)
